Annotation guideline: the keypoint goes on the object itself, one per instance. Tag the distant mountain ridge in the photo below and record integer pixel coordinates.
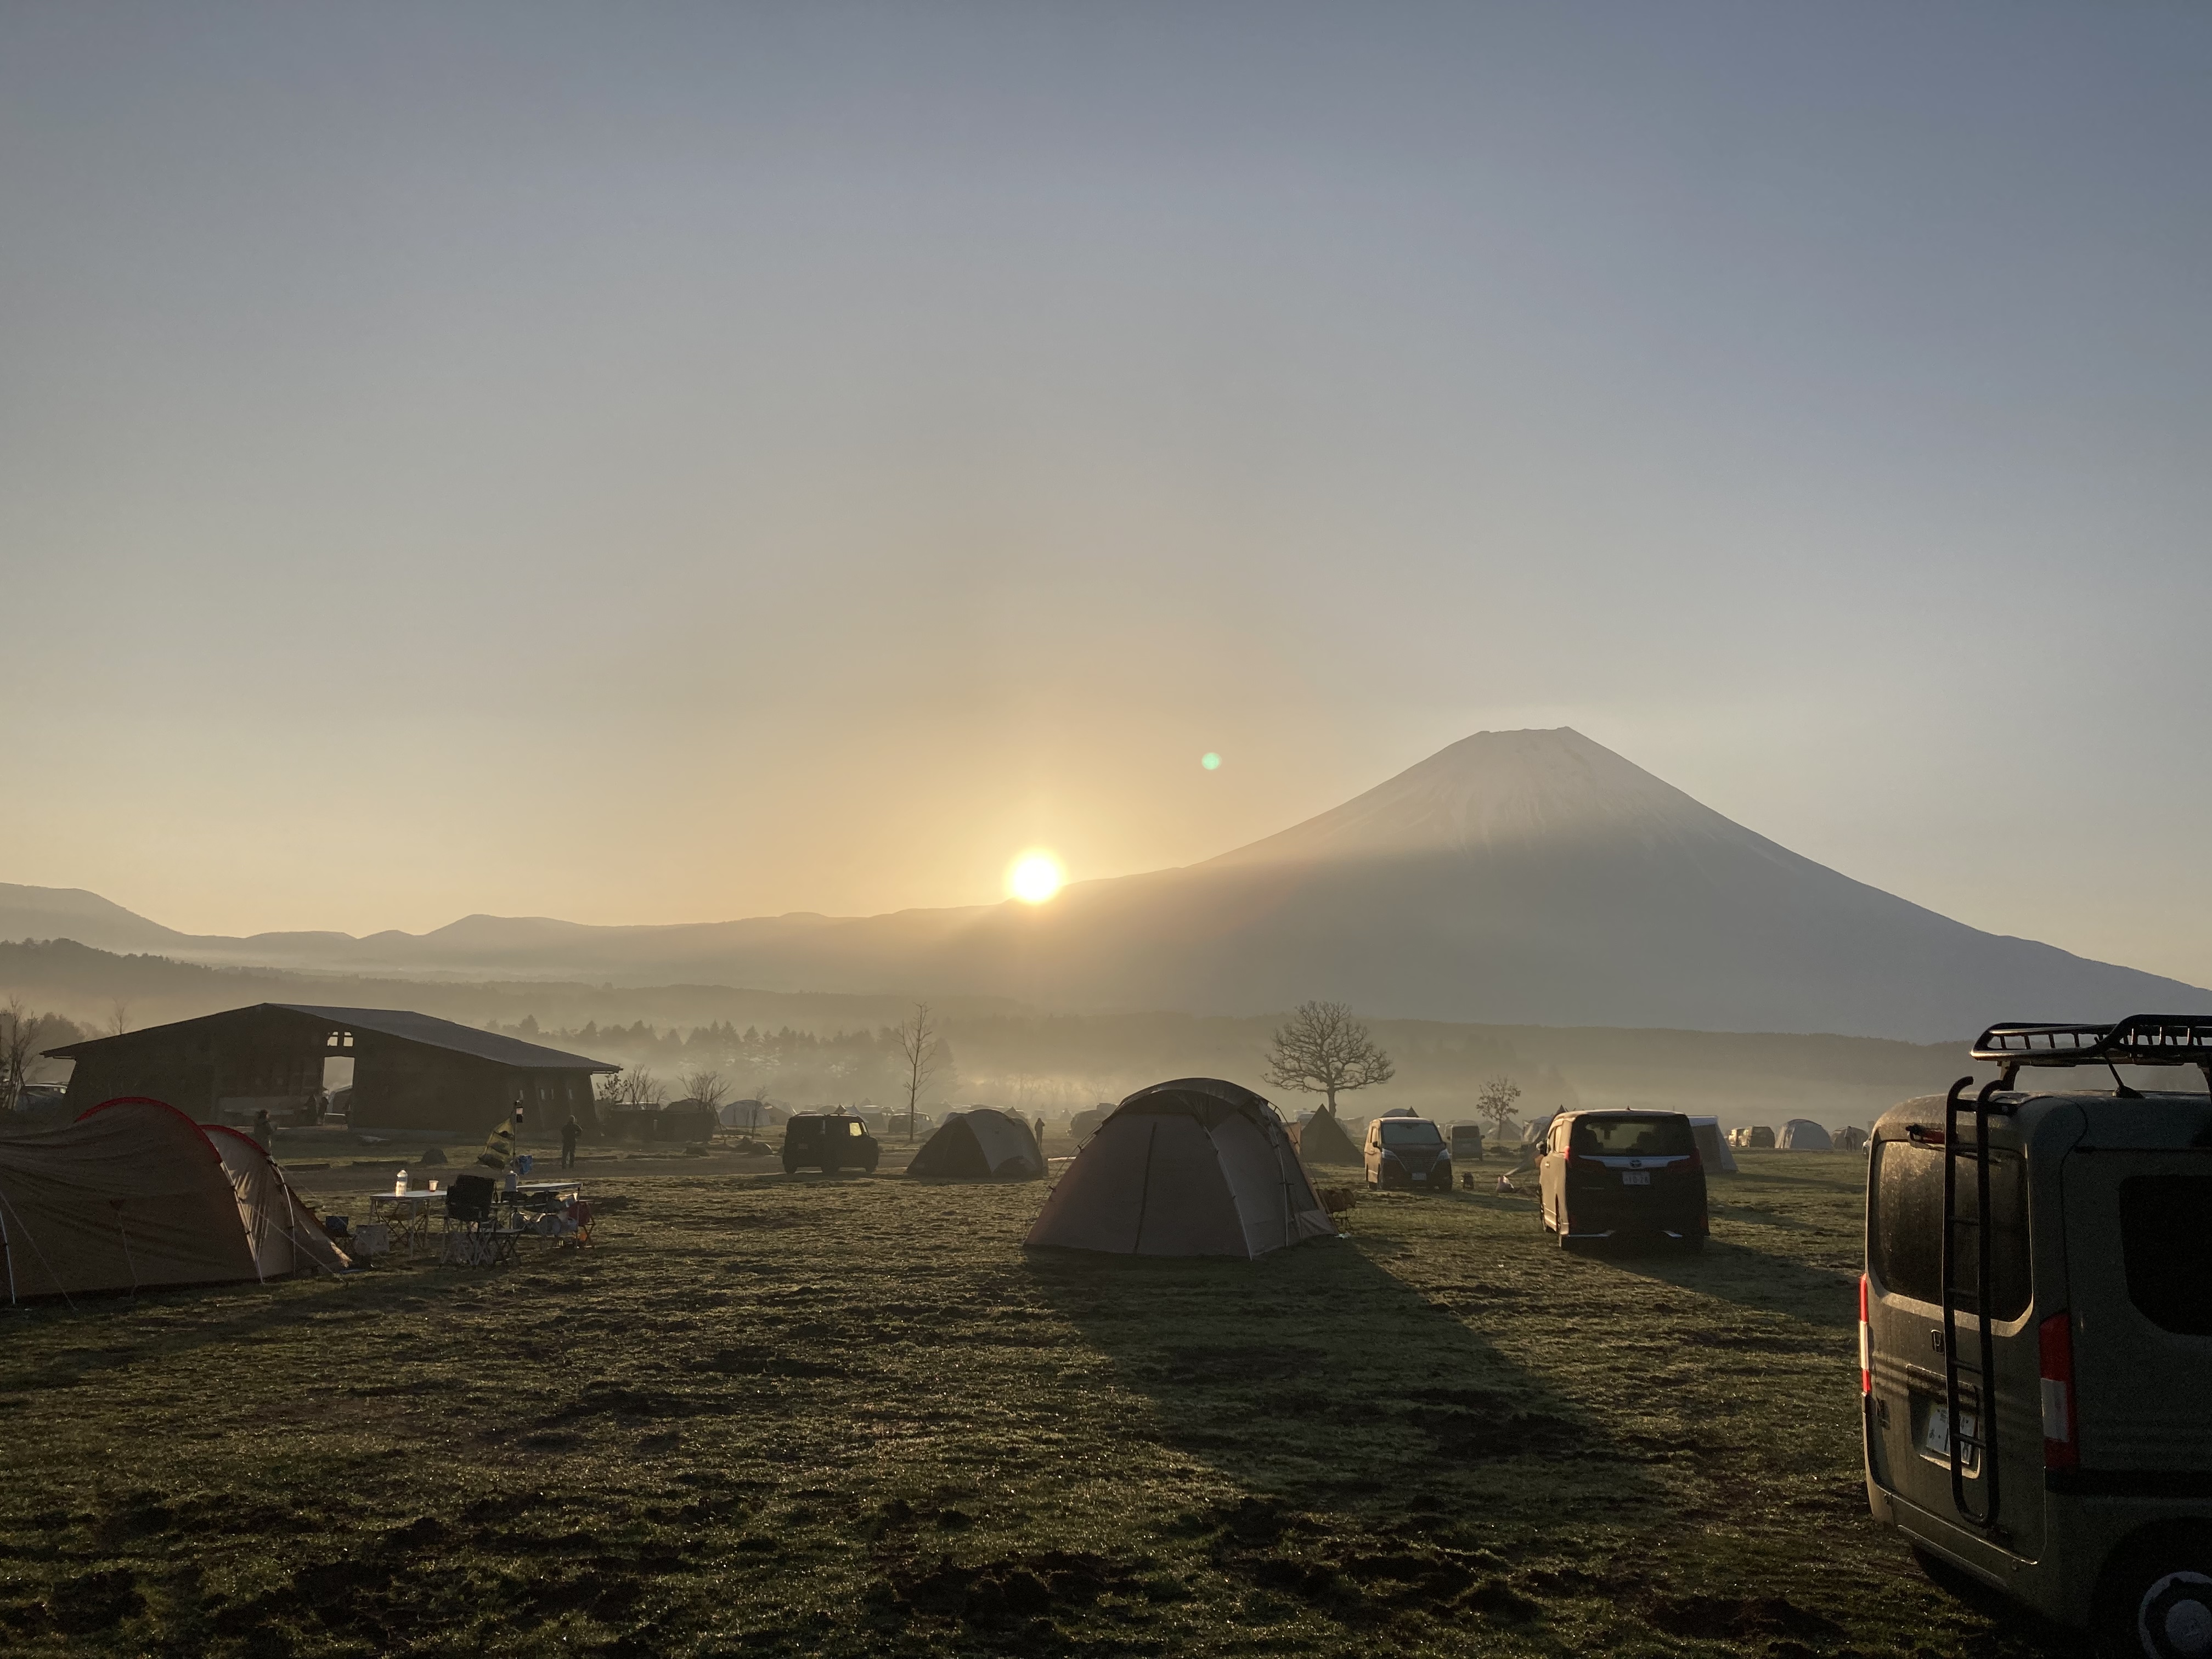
(1515, 877)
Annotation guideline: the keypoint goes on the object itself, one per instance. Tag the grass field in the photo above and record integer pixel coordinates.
(849, 1416)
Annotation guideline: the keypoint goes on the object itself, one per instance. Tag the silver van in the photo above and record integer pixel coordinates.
(1405, 1150)
(2035, 1332)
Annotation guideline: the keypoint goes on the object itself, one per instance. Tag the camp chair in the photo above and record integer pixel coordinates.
(474, 1237)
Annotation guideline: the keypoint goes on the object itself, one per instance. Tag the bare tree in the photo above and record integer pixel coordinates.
(118, 1017)
(19, 1030)
(638, 1087)
(1495, 1103)
(923, 1053)
(1322, 1050)
(707, 1088)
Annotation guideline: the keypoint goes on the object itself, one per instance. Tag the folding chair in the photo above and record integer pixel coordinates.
(474, 1237)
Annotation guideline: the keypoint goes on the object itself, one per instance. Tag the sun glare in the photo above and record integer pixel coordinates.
(1035, 877)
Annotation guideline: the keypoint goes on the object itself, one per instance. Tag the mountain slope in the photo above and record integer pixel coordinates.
(1515, 877)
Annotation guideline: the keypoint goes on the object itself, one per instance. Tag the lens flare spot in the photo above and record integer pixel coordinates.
(1209, 761)
(1035, 877)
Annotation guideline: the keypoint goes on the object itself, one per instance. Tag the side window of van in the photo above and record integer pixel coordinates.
(2166, 1241)
(1905, 1234)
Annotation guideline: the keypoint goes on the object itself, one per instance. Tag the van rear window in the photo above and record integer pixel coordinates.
(2165, 1240)
(1904, 1226)
(1634, 1137)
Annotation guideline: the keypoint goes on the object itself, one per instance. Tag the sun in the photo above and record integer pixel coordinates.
(1035, 877)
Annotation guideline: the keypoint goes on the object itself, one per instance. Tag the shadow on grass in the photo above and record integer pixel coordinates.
(1389, 1458)
(1746, 1277)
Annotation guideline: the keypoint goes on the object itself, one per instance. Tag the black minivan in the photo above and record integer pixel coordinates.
(1623, 1176)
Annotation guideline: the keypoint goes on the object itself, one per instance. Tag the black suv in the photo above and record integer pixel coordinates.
(828, 1141)
(1623, 1175)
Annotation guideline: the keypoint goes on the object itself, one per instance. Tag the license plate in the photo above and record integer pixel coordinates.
(1937, 1441)
(1636, 1177)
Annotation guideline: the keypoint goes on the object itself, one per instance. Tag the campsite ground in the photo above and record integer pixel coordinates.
(772, 1416)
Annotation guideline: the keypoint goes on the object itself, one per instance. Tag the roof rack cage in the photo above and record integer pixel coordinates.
(2138, 1040)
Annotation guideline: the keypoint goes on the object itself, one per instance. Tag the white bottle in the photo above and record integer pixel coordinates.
(400, 1185)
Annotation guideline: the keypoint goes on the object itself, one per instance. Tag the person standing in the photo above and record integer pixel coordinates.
(264, 1131)
(570, 1132)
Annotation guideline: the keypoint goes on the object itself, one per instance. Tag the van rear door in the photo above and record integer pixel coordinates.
(1904, 1314)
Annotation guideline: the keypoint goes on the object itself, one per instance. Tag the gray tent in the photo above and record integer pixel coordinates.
(980, 1144)
(1712, 1145)
(1802, 1134)
(1194, 1167)
(1322, 1140)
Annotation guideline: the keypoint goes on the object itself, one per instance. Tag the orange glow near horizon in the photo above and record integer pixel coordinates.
(1035, 877)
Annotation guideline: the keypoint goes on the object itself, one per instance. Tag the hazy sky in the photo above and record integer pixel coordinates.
(656, 463)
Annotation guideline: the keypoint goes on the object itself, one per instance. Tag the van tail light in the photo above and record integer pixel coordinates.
(1866, 1343)
(2055, 1340)
(1693, 1164)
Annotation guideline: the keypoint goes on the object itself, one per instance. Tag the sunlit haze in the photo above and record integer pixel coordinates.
(657, 464)
(1035, 877)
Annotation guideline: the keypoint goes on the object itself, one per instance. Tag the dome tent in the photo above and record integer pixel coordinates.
(1322, 1140)
(1193, 1167)
(980, 1144)
(129, 1195)
(1802, 1134)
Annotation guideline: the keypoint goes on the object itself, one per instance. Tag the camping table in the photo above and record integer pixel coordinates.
(408, 1214)
(561, 1191)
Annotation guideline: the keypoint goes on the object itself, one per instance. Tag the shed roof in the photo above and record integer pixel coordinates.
(407, 1026)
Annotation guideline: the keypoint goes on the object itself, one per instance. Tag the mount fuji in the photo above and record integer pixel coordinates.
(1515, 877)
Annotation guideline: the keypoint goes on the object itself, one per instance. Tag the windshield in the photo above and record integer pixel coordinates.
(1410, 1132)
(1634, 1137)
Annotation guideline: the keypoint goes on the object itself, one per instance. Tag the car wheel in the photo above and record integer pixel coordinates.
(2160, 1606)
(789, 1168)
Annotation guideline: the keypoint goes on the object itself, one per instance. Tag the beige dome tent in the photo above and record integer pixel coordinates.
(1712, 1145)
(979, 1143)
(1194, 1167)
(1322, 1140)
(1802, 1134)
(284, 1237)
(131, 1195)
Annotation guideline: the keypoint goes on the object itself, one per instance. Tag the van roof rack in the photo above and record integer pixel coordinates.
(2138, 1040)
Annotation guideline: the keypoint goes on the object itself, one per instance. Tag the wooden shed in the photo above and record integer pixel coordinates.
(410, 1071)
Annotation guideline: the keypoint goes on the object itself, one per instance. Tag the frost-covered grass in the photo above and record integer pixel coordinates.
(849, 1417)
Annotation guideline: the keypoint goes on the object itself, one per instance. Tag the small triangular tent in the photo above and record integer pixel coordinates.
(1712, 1145)
(1802, 1134)
(1194, 1167)
(129, 1196)
(980, 1144)
(285, 1239)
(1322, 1140)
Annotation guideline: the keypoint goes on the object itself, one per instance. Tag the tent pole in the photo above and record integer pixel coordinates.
(67, 1301)
(1145, 1193)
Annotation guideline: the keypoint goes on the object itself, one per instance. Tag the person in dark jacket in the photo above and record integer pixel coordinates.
(264, 1131)
(570, 1132)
